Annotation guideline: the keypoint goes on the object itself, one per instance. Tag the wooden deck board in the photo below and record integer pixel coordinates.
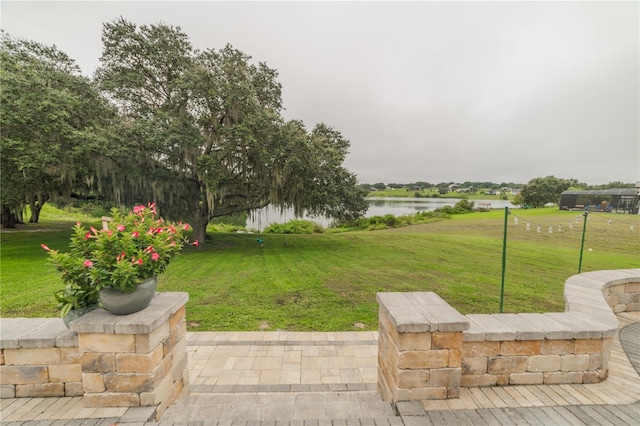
(501, 416)
(542, 396)
(457, 404)
(595, 413)
(627, 387)
(580, 396)
(632, 410)
(11, 407)
(566, 395)
(476, 418)
(620, 414)
(492, 396)
(487, 416)
(467, 399)
(436, 417)
(526, 392)
(514, 415)
(52, 404)
(520, 399)
(508, 399)
(435, 404)
(462, 418)
(73, 410)
(601, 394)
(530, 416)
(22, 410)
(480, 398)
(72, 406)
(449, 418)
(580, 414)
(548, 415)
(5, 403)
(568, 416)
(553, 395)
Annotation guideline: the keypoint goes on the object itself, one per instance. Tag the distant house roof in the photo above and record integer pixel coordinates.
(614, 191)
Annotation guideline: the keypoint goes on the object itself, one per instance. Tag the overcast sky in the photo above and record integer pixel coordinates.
(424, 91)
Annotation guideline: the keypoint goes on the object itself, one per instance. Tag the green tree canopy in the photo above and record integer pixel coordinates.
(542, 190)
(203, 135)
(50, 120)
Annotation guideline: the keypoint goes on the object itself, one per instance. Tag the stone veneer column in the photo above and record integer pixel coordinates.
(135, 360)
(419, 348)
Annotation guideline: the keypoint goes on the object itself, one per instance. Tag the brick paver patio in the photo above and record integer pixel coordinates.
(269, 378)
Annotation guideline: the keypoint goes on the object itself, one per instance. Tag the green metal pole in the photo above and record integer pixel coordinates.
(584, 230)
(504, 258)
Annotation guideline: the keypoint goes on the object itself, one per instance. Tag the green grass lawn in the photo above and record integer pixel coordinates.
(328, 282)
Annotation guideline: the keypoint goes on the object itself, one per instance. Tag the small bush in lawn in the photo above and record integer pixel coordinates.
(463, 206)
(224, 227)
(294, 227)
(445, 210)
(390, 220)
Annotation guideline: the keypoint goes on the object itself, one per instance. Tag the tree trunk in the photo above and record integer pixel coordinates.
(199, 223)
(35, 212)
(36, 207)
(17, 214)
(8, 219)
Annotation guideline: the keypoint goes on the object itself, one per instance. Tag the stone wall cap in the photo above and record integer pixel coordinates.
(403, 312)
(46, 336)
(494, 328)
(588, 306)
(604, 279)
(526, 329)
(552, 329)
(67, 339)
(576, 288)
(162, 306)
(475, 333)
(35, 333)
(586, 326)
(421, 311)
(583, 293)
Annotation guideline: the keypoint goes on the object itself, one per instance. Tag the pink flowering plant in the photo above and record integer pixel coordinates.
(135, 247)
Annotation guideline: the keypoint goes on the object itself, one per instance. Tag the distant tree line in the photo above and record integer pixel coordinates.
(472, 186)
(536, 193)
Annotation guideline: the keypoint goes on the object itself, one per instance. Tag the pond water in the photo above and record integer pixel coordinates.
(378, 206)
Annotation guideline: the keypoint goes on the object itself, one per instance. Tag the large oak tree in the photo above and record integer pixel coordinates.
(203, 134)
(50, 118)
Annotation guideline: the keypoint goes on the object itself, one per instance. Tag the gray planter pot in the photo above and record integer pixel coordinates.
(119, 303)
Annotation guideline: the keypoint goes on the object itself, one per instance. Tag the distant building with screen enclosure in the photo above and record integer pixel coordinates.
(615, 200)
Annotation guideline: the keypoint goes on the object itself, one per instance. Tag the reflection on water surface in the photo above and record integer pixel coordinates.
(378, 206)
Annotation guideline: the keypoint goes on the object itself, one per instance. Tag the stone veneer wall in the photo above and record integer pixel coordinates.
(419, 347)
(38, 357)
(110, 360)
(427, 350)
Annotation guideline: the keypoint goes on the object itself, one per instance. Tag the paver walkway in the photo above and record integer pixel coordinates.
(281, 361)
(301, 379)
(284, 377)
